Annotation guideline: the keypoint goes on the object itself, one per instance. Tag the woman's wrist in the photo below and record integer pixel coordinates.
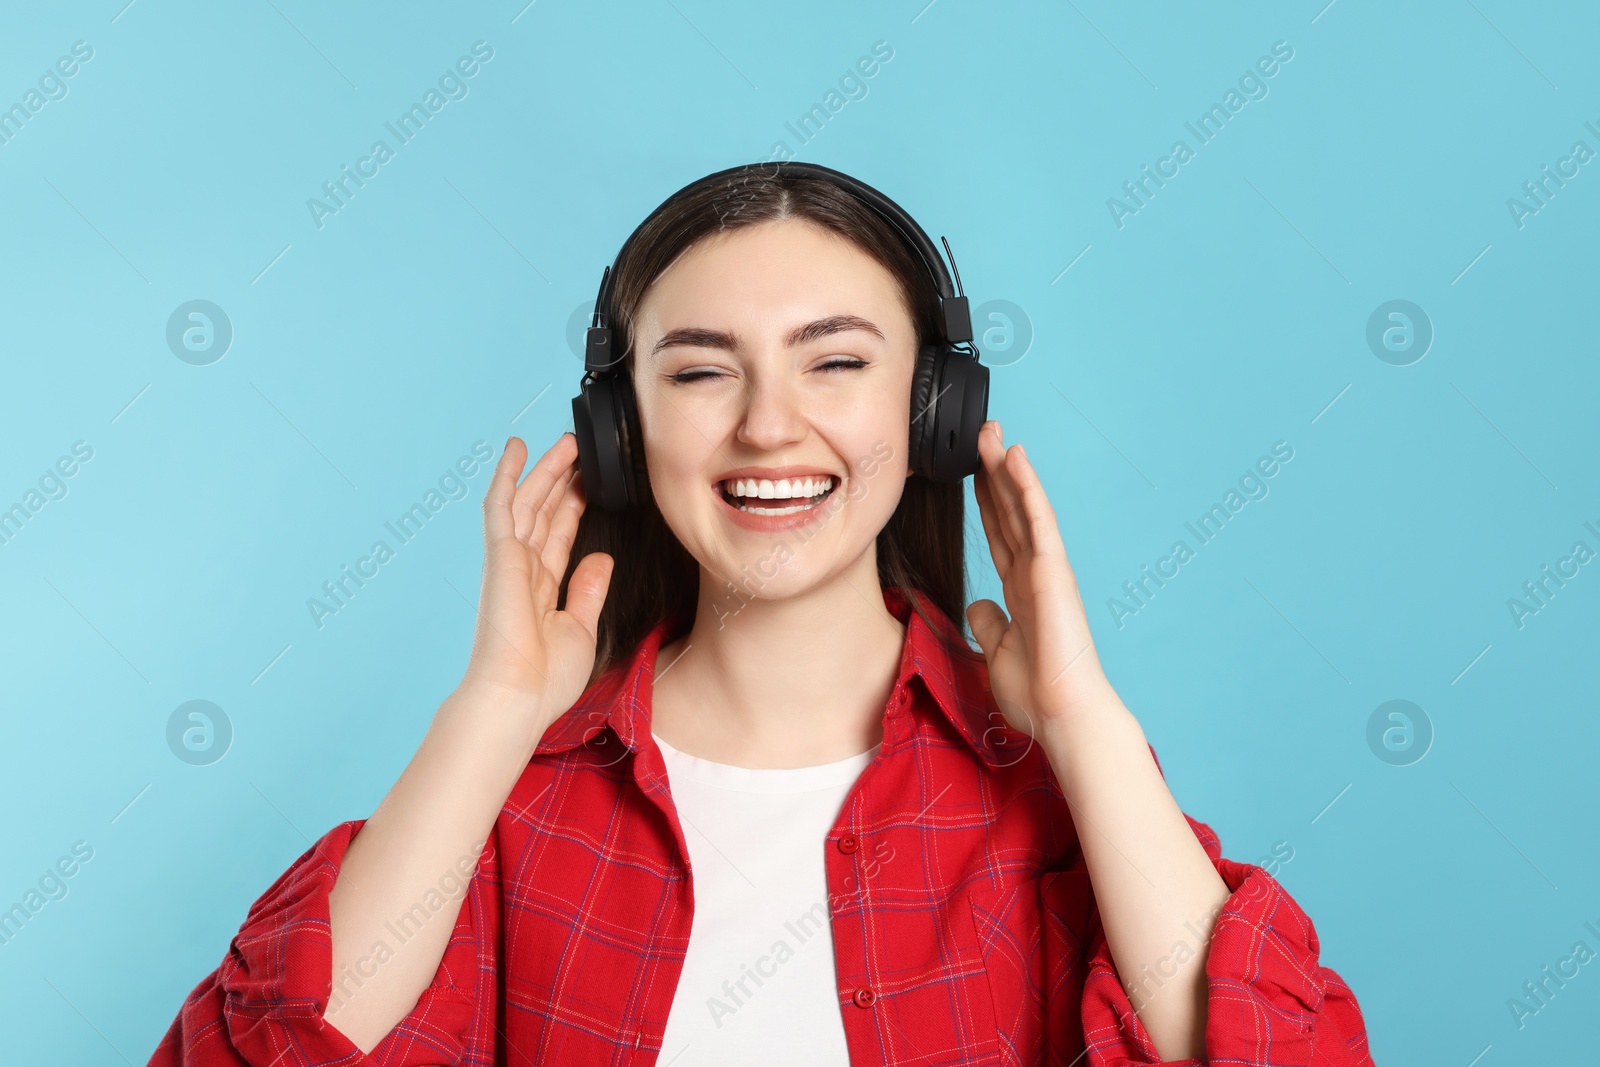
(510, 720)
(1092, 707)
(1100, 732)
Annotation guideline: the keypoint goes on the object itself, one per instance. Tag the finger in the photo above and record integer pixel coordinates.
(1039, 518)
(998, 548)
(536, 486)
(988, 624)
(586, 593)
(557, 547)
(545, 476)
(1059, 622)
(497, 522)
(547, 510)
(1003, 490)
(1015, 511)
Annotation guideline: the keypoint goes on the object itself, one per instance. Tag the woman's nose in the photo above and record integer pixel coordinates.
(773, 416)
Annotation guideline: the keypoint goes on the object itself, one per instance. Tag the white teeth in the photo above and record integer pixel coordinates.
(783, 488)
(812, 488)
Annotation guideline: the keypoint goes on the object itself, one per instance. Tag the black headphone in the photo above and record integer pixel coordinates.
(949, 388)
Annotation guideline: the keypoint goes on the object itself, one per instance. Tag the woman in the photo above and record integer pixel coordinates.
(724, 783)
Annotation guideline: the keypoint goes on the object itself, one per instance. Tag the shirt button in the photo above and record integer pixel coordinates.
(848, 843)
(865, 997)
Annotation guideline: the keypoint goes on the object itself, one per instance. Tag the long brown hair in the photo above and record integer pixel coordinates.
(655, 577)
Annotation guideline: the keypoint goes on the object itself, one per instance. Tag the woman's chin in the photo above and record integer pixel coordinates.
(783, 572)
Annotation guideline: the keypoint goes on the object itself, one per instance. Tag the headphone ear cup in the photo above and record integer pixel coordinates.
(962, 412)
(601, 422)
(630, 453)
(951, 391)
(923, 378)
(588, 454)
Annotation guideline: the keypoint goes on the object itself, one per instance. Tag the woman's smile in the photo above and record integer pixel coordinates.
(774, 504)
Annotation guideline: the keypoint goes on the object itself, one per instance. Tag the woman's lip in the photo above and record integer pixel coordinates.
(769, 523)
(773, 474)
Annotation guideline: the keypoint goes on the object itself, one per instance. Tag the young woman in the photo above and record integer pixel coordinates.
(723, 781)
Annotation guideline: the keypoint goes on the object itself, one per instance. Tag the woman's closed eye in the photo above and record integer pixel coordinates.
(831, 367)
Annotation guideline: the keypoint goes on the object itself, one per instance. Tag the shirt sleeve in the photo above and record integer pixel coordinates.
(1269, 1001)
(263, 1006)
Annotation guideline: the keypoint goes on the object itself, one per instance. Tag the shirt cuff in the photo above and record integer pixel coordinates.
(1266, 991)
(273, 987)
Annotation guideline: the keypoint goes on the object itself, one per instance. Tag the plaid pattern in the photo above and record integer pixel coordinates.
(963, 924)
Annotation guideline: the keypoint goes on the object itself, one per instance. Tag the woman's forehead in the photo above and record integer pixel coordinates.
(773, 277)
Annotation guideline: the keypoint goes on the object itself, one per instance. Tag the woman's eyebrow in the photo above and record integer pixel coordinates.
(830, 325)
(702, 337)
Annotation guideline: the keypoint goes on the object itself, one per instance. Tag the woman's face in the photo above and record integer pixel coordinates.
(775, 351)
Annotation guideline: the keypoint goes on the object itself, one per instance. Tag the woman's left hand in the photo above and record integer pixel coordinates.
(1043, 668)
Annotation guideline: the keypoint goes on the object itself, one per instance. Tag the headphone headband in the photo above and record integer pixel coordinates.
(955, 318)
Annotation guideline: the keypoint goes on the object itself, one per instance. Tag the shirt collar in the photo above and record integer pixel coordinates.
(621, 697)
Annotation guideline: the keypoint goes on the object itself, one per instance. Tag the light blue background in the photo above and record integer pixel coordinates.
(1229, 313)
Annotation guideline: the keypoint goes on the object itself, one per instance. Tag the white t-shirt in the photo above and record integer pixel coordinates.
(758, 983)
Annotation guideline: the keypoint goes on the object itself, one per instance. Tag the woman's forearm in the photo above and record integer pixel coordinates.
(1157, 891)
(424, 837)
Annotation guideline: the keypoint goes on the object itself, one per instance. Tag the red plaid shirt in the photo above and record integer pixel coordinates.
(964, 928)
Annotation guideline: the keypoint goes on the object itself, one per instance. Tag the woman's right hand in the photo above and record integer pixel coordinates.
(524, 647)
